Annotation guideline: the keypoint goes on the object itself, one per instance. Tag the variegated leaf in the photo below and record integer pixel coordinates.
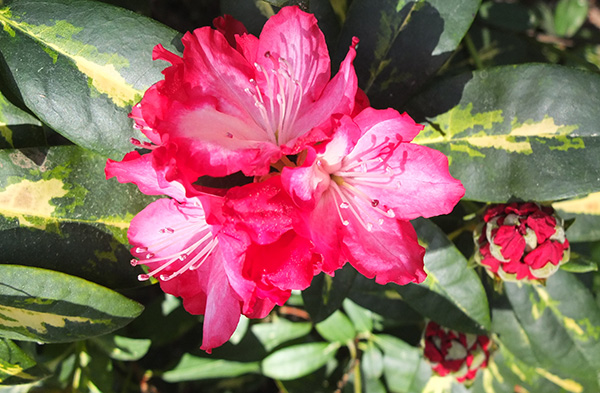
(47, 306)
(525, 132)
(18, 128)
(58, 211)
(75, 73)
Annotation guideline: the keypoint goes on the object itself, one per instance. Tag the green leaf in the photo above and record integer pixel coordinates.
(298, 360)
(452, 294)
(586, 212)
(556, 327)
(403, 43)
(569, 16)
(508, 16)
(275, 333)
(372, 362)
(579, 264)
(326, 294)
(54, 214)
(337, 328)
(123, 348)
(525, 132)
(18, 128)
(46, 306)
(403, 365)
(16, 367)
(192, 368)
(75, 73)
(361, 318)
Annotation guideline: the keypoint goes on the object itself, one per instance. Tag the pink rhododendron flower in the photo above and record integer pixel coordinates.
(330, 180)
(235, 102)
(521, 241)
(454, 353)
(361, 189)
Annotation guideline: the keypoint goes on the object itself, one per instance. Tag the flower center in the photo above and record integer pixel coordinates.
(190, 258)
(279, 99)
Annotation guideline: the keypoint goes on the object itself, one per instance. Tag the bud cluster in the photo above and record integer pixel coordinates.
(521, 241)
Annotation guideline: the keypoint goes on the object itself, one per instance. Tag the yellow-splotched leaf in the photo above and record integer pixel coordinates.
(47, 306)
(18, 128)
(586, 212)
(525, 132)
(555, 329)
(75, 73)
(402, 43)
(16, 367)
(58, 211)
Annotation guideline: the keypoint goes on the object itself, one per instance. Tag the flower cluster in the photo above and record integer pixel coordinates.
(326, 178)
(454, 353)
(521, 241)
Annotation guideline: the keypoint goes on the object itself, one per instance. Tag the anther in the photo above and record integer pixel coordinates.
(143, 277)
(390, 213)
(375, 202)
(140, 250)
(344, 205)
(229, 135)
(134, 262)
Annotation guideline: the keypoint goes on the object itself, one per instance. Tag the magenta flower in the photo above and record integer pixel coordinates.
(334, 180)
(235, 102)
(360, 189)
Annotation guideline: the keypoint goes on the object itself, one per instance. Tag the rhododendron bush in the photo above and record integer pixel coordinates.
(299, 196)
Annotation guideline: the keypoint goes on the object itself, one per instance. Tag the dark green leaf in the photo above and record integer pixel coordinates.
(57, 211)
(508, 16)
(74, 72)
(16, 367)
(326, 293)
(403, 43)
(279, 331)
(18, 128)
(298, 360)
(192, 368)
(337, 328)
(554, 327)
(452, 294)
(525, 132)
(46, 306)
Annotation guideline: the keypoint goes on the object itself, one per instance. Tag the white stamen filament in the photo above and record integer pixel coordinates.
(171, 235)
(278, 116)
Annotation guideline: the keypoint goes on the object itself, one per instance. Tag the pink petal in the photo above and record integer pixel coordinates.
(390, 253)
(421, 185)
(230, 28)
(387, 123)
(338, 97)
(138, 169)
(294, 35)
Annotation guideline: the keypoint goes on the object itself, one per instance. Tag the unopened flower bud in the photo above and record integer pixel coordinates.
(521, 241)
(455, 353)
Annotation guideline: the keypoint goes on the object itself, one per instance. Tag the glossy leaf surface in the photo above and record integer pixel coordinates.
(70, 68)
(46, 306)
(526, 132)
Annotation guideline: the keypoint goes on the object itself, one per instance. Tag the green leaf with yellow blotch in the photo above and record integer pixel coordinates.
(525, 132)
(16, 367)
(18, 128)
(80, 65)
(555, 328)
(403, 43)
(47, 306)
(586, 212)
(58, 211)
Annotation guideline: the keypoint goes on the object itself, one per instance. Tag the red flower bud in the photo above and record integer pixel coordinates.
(521, 241)
(454, 353)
